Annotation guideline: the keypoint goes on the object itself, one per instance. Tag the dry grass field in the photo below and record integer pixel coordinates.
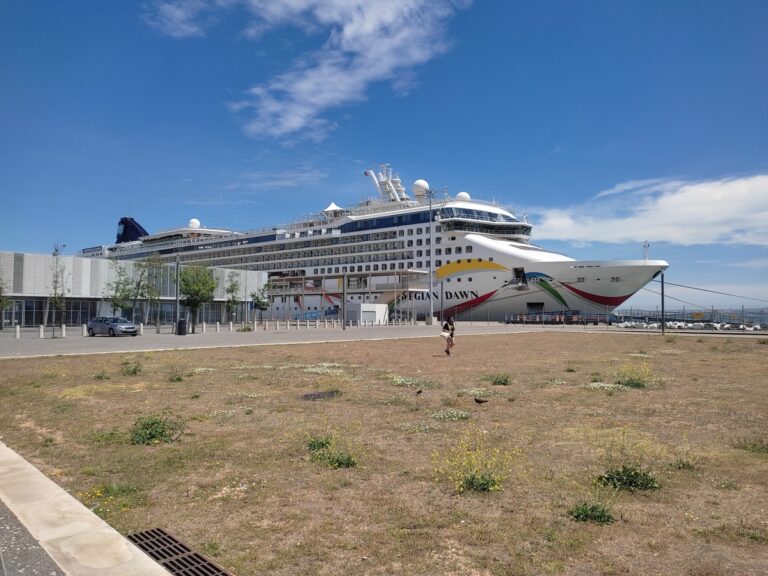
(266, 480)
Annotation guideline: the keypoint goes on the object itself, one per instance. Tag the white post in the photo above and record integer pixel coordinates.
(230, 326)
(85, 330)
(141, 328)
(218, 327)
(40, 331)
(203, 327)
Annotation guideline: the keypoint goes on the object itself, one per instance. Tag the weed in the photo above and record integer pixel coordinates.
(248, 411)
(245, 328)
(474, 465)
(154, 429)
(194, 396)
(420, 426)
(176, 375)
(684, 464)
(595, 512)
(762, 341)
(570, 369)
(48, 441)
(327, 450)
(631, 376)
(502, 379)
(699, 340)
(212, 548)
(671, 339)
(101, 376)
(451, 415)
(130, 367)
(595, 377)
(752, 444)
(629, 477)
(109, 498)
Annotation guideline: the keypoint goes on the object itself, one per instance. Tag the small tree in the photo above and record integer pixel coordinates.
(232, 290)
(147, 285)
(56, 299)
(4, 302)
(260, 300)
(197, 285)
(119, 288)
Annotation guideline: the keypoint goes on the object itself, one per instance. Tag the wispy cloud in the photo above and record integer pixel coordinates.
(364, 41)
(757, 264)
(727, 211)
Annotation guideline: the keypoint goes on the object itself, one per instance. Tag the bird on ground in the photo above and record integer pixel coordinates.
(481, 400)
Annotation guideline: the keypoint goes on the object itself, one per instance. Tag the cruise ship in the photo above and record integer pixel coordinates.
(420, 254)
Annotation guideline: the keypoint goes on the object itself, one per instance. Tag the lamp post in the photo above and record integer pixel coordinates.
(421, 187)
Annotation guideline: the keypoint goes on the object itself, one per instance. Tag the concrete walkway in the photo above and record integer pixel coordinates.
(46, 531)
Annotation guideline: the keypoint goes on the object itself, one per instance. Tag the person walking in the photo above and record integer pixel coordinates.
(448, 333)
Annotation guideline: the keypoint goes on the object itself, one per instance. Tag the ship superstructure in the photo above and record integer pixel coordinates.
(381, 251)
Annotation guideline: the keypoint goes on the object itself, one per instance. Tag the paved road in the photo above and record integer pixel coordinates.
(30, 345)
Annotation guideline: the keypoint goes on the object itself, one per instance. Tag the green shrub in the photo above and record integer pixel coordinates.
(245, 328)
(595, 512)
(474, 465)
(101, 376)
(629, 477)
(632, 376)
(154, 429)
(502, 379)
(329, 451)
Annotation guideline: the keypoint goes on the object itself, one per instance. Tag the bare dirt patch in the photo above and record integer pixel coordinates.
(242, 485)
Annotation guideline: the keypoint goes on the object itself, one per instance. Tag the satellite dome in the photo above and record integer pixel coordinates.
(420, 187)
(463, 196)
(194, 223)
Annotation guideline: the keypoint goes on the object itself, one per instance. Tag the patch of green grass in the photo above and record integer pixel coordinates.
(211, 549)
(762, 341)
(155, 429)
(629, 477)
(108, 499)
(751, 444)
(176, 375)
(102, 376)
(502, 379)
(671, 338)
(570, 369)
(113, 436)
(595, 512)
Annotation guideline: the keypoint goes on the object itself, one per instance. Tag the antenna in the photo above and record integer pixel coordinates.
(645, 249)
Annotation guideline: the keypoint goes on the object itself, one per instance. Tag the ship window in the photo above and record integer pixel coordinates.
(410, 231)
(490, 259)
(469, 279)
(344, 269)
(438, 251)
(428, 242)
(438, 228)
(418, 230)
(448, 251)
(314, 272)
(469, 249)
(438, 240)
(410, 243)
(400, 232)
(400, 265)
(458, 279)
(336, 270)
(419, 242)
(458, 249)
(418, 253)
(438, 262)
(367, 267)
(359, 268)
(375, 267)
(392, 266)
(418, 264)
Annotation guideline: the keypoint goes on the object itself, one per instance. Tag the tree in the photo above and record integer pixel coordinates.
(260, 299)
(197, 286)
(147, 284)
(232, 290)
(119, 288)
(4, 302)
(56, 299)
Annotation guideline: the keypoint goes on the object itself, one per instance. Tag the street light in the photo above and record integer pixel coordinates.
(420, 188)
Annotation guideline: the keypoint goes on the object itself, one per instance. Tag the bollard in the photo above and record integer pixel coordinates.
(63, 330)
(18, 332)
(40, 330)
(85, 330)
(203, 327)
(230, 326)
(141, 328)
(266, 324)
(218, 327)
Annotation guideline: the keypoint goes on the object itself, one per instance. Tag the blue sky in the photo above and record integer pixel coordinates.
(607, 123)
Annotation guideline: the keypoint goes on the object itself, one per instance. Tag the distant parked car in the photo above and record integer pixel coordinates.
(112, 326)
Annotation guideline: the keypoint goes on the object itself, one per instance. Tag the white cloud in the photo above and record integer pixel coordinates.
(365, 41)
(756, 264)
(727, 211)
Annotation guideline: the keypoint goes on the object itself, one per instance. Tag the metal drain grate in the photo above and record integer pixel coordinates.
(175, 556)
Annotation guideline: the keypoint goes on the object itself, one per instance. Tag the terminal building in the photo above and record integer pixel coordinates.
(28, 287)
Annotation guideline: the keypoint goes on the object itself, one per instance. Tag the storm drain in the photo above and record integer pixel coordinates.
(175, 556)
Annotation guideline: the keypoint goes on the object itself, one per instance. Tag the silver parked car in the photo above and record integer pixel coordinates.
(111, 325)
